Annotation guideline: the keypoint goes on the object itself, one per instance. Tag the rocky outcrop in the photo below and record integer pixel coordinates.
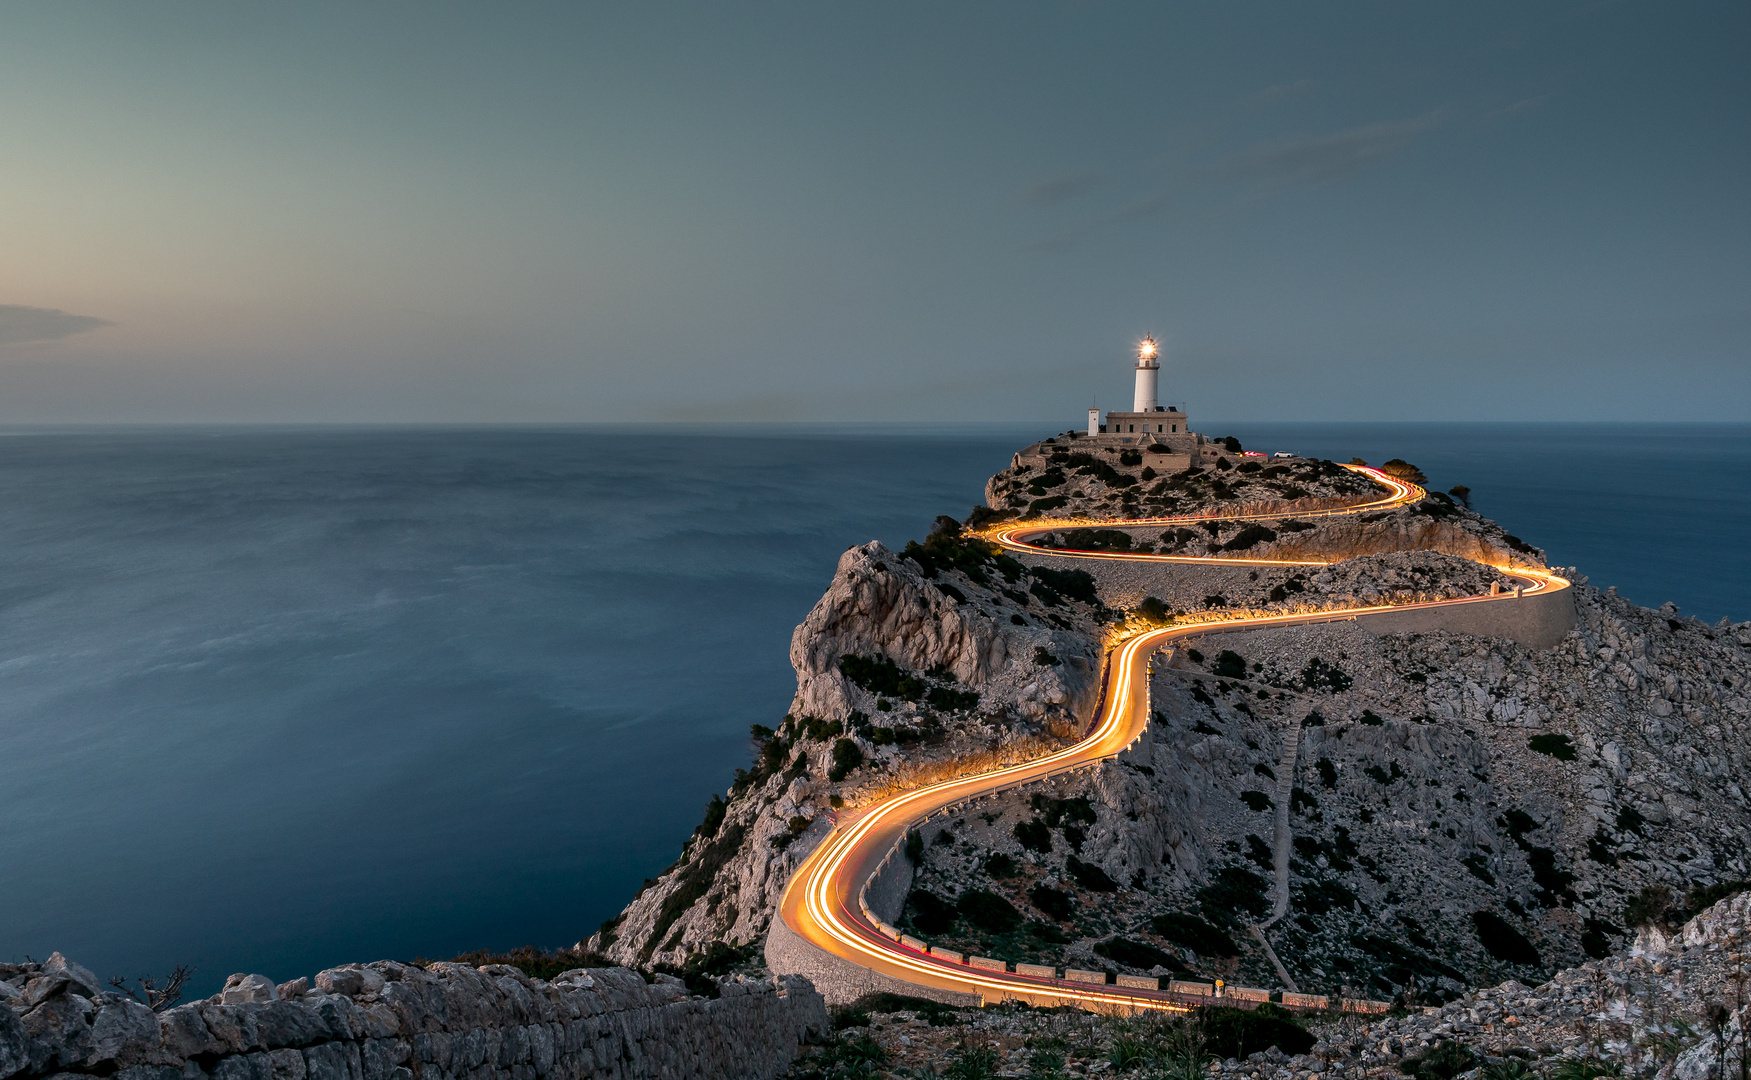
(988, 662)
(390, 1021)
(1462, 809)
(1433, 525)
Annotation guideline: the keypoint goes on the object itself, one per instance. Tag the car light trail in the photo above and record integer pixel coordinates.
(823, 900)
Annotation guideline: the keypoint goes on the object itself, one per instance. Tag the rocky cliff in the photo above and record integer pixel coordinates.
(1397, 814)
(390, 1021)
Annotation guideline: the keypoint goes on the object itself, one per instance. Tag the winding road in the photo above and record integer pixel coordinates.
(824, 900)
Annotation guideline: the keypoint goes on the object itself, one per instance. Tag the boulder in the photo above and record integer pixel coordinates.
(14, 1043)
(242, 989)
(81, 980)
(60, 1031)
(125, 1032)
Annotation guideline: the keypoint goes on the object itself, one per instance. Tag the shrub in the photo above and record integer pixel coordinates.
(988, 911)
(1137, 954)
(1236, 1033)
(1130, 457)
(1251, 536)
(1194, 933)
(1319, 675)
(1648, 907)
(1057, 811)
(1443, 1061)
(1235, 889)
(1502, 941)
(846, 757)
(1584, 1068)
(1034, 836)
(1257, 801)
(1000, 865)
(880, 675)
(1369, 718)
(1404, 470)
(974, 1063)
(534, 962)
(1462, 493)
(944, 699)
(1557, 746)
(1153, 610)
(714, 818)
(1059, 905)
(934, 1011)
(1075, 584)
(930, 913)
(1229, 665)
(915, 847)
(1703, 897)
(1090, 876)
(1507, 1069)
(1232, 443)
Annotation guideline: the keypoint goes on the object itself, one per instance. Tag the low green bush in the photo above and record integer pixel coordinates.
(1059, 905)
(930, 913)
(1034, 835)
(1194, 933)
(1557, 746)
(1502, 941)
(1443, 1061)
(1090, 876)
(988, 911)
(1237, 1033)
(846, 757)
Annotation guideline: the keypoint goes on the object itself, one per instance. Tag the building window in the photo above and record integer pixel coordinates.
(1131, 427)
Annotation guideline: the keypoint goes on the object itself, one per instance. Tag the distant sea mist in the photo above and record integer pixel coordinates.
(276, 699)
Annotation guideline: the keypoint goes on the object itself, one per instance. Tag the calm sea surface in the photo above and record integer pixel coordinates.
(277, 699)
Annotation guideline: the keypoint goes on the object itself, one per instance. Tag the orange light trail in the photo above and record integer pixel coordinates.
(823, 902)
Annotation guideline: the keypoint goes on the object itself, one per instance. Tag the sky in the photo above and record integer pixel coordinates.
(671, 212)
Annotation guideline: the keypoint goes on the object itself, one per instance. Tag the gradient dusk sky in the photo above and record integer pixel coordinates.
(828, 211)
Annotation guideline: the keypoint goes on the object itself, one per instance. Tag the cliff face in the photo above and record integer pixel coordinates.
(390, 1021)
(1461, 810)
(943, 665)
(1453, 809)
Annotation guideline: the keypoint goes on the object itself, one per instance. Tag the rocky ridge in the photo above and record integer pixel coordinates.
(392, 1021)
(1459, 810)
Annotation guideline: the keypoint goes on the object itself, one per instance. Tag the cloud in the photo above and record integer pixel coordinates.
(1274, 167)
(20, 325)
(1060, 188)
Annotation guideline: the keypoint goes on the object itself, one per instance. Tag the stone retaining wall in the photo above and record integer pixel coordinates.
(390, 1021)
(1537, 620)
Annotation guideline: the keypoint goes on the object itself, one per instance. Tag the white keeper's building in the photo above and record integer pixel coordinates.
(1149, 421)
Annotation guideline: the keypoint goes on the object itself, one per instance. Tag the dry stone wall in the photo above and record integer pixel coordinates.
(391, 1021)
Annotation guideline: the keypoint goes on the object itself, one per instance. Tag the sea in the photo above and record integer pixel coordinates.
(274, 699)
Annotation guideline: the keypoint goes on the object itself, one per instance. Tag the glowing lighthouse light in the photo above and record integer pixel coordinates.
(1148, 371)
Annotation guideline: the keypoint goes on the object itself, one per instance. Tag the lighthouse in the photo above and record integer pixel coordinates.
(1148, 374)
(1149, 423)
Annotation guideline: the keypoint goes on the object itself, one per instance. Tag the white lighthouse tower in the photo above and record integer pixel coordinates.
(1149, 423)
(1148, 374)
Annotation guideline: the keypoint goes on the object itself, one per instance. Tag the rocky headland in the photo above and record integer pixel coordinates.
(1329, 808)
(1501, 836)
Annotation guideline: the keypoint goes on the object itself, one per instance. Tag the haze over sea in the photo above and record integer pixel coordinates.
(276, 699)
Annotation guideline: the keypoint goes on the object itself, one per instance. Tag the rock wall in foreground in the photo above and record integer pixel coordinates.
(390, 1021)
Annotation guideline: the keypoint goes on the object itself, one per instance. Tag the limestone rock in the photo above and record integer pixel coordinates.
(240, 989)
